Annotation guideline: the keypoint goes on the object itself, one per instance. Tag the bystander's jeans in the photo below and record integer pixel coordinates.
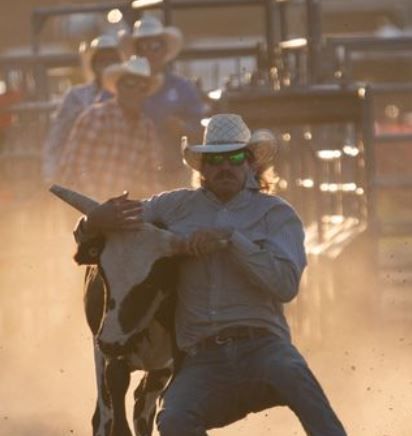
(223, 383)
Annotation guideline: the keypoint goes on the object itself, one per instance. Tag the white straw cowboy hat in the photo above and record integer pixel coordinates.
(228, 132)
(88, 51)
(150, 26)
(136, 66)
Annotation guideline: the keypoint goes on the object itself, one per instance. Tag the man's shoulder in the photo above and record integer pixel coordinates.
(276, 204)
(169, 203)
(175, 199)
(271, 199)
(178, 195)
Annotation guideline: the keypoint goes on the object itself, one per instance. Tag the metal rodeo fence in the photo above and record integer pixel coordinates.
(324, 158)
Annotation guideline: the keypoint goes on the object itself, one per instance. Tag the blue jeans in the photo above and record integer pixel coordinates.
(223, 383)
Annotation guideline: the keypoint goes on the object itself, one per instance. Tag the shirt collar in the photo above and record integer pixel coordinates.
(251, 182)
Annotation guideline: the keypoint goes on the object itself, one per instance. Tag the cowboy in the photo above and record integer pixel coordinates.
(113, 145)
(95, 57)
(177, 107)
(244, 257)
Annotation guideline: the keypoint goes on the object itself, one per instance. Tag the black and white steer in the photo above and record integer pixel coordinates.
(129, 304)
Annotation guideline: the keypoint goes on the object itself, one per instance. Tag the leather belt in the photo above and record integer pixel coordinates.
(230, 334)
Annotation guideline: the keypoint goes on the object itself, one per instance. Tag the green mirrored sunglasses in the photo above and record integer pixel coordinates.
(237, 158)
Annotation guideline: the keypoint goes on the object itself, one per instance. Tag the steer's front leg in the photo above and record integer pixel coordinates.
(103, 414)
(117, 382)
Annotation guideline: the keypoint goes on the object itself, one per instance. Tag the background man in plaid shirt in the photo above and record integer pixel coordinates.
(113, 146)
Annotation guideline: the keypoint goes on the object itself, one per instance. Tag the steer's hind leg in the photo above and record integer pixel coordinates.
(94, 305)
(145, 396)
(117, 382)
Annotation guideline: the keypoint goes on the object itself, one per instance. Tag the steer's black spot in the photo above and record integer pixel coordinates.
(162, 278)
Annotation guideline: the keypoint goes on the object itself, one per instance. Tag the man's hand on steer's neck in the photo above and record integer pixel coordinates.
(118, 213)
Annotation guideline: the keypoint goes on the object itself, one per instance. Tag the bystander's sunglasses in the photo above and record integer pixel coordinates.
(155, 45)
(236, 159)
(134, 82)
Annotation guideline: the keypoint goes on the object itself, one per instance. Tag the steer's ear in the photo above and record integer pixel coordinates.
(78, 201)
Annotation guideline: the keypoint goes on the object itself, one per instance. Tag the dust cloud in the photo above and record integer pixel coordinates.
(353, 327)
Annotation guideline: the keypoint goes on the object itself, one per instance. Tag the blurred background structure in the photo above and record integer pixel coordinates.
(332, 79)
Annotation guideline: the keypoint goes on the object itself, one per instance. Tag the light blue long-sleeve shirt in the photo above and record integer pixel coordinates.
(245, 283)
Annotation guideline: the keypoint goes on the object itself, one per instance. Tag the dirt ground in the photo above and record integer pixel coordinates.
(358, 342)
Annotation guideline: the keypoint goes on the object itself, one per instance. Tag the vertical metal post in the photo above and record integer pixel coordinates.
(36, 26)
(368, 136)
(167, 12)
(39, 72)
(318, 198)
(314, 37)
(270, 32)
(283, 21)
(368, 141)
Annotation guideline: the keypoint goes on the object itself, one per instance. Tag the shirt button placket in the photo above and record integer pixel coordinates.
(222, 218)
(215, 279)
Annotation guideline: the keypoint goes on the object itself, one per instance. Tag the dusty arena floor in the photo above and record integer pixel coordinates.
(362, 356)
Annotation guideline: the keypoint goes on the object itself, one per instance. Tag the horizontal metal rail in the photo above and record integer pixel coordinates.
(32, 59)
(195, 4)
(48, 61)
(390, 87)
(72, 59)
(27, 107)
(198, 53)
(376, 43)
(50, 11)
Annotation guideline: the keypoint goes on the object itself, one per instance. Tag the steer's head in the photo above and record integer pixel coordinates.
(136, 274)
